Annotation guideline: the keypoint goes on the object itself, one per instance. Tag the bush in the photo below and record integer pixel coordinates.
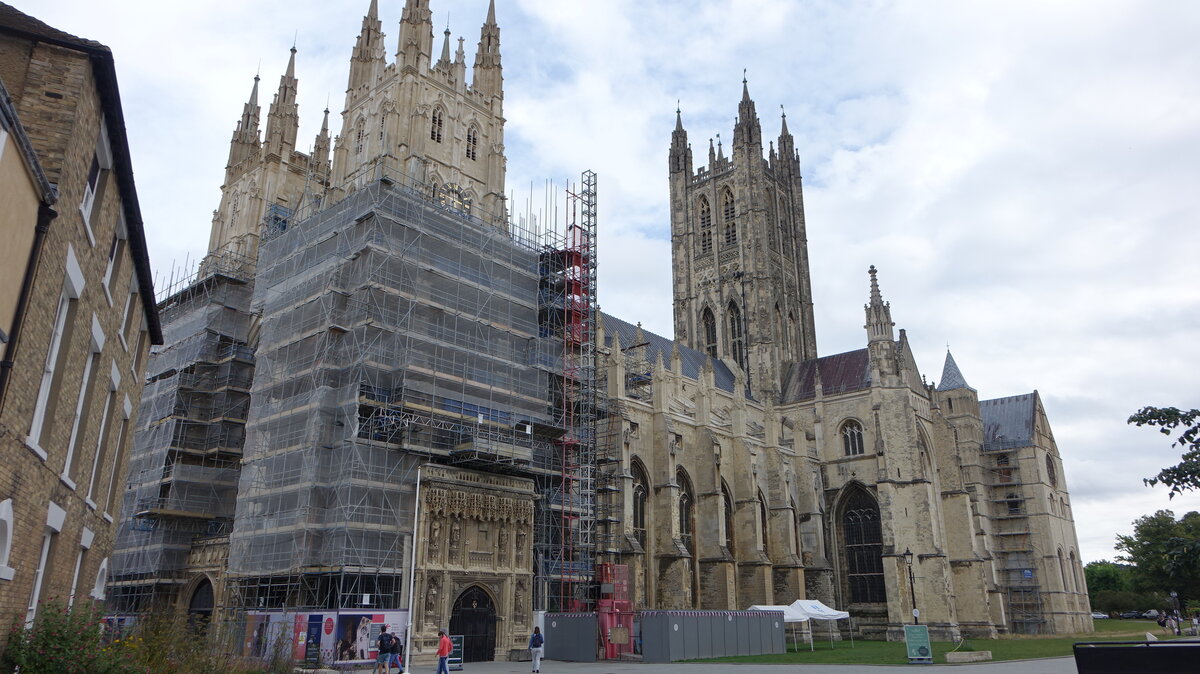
(65, 641)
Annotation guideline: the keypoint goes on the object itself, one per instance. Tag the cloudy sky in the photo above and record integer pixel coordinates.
(1022, 173)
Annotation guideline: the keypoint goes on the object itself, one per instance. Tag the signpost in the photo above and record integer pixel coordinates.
(916, 639)
(455, 661)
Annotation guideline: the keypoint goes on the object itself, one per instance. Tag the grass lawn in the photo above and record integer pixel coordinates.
(1008, 648)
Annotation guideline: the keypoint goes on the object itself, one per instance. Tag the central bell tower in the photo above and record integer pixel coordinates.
(740, 254)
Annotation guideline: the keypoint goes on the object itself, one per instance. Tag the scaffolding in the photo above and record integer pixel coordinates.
(1018, 564)
(183, 468)
(565, 539)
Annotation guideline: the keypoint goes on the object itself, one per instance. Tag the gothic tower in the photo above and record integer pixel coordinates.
(740, 253)
(420, 118)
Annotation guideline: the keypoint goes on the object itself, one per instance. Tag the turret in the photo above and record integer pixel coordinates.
(320, 156)
(952, 377)
(787, 146)
(681, 154)
(283, 121)
(245, 136)
(416, 36)
(368, 61)
(488, 75)
(443, 61)
(747, 133)
(880, 336)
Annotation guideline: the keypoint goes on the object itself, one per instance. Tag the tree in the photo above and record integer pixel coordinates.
(1105, 575)
(1186, 474)
(1165, 553)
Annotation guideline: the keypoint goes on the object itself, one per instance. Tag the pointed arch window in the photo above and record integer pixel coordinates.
(863, 546)
(435, 126)
(852, 438)
(709, 326)
(729, 211)
(472, 143)
(360, 138)
(736, 340)
(1051, 474)
(687, 511)
(382, 128)
(728, 515)
(705, 226)
(763, 520)
(641, 495)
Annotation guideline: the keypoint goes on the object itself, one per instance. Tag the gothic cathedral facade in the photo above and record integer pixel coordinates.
(739, 467)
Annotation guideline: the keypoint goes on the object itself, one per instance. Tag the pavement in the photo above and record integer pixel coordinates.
(1044, 666)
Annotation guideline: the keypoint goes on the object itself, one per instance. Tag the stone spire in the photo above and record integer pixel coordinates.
(787, 146)
(320, 157)
(747, 131)
(283, 120)
(444, 59)
(952, 377)
(712, 154)
(879, 314)
(245, 136)
(681, 154)
(416, 36)
(488, 74)
(368, 60)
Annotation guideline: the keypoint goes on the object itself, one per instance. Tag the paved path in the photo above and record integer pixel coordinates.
(1045, 666)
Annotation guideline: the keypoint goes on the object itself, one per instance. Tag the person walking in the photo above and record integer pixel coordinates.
(444, 648)
(386, 646)
(537, 647)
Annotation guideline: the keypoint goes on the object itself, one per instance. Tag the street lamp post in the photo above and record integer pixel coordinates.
(912, 590)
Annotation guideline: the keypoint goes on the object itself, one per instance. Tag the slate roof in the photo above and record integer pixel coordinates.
(17, 23)
(952, 377)
(1008, 422)
(842, 372)
(692, 360)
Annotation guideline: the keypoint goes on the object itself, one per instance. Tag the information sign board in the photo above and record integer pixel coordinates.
(916, 639)
(455, 661)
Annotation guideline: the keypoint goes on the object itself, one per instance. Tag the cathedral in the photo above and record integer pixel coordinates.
(382, 400)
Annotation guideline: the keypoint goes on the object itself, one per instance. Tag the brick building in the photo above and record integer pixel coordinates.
(73, 310)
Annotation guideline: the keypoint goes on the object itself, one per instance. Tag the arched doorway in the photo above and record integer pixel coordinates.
(200, 605)
(474, 617)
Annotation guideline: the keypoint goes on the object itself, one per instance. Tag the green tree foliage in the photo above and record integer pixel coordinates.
(64, 641)
(1171, 420)
(1165, 554)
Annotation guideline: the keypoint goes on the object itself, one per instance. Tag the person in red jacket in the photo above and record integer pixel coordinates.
(444, 648)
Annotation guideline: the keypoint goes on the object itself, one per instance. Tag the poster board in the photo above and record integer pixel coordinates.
(455, 661)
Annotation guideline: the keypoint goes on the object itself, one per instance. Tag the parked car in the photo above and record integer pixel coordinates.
(1099, 615)
(1130, 615)
(1150, 615)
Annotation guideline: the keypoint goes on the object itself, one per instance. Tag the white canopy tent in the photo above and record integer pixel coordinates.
(818, 611)
(791, 616)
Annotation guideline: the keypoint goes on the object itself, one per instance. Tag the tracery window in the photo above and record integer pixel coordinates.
(863, 544)
(709, 325)
(687, 513)
(641, 493)
(472, 143)
(1051, 474)
(736, 342)
(852, 438)
(728, 512)
(705, 226)
(763, 523)
(730, 213)
(435, 126)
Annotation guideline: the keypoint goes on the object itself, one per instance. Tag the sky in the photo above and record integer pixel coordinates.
(1023, 174)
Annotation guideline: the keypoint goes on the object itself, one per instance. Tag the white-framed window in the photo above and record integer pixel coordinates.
(97, 179)
(85, 543)
(128, 315)
(55, 516)
(64, 322)
(100, 586)
(83, 404)
(6, 535)
(116, 257)
(102, 440)
(118, 456)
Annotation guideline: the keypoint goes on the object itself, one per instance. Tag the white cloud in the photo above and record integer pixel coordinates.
(1022, 173)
